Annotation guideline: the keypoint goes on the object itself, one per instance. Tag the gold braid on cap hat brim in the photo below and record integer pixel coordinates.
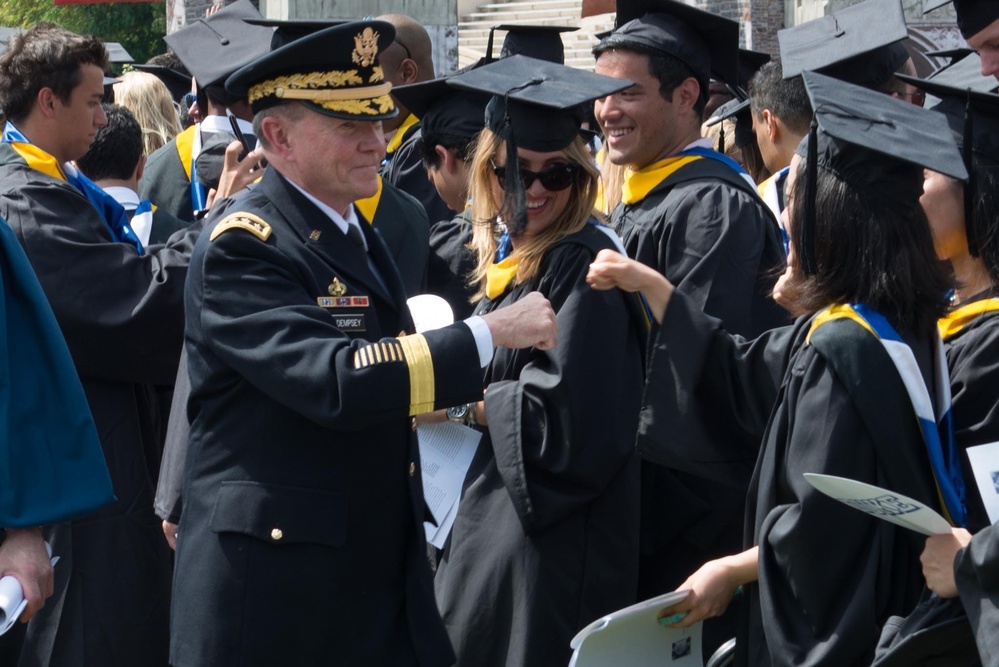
(342, 91)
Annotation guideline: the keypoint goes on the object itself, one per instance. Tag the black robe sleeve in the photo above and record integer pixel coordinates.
(558, 439)
(451, 263)
(976, 571)
(126, 328)
(709, 394)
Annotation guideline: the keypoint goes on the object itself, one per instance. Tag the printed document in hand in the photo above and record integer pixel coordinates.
(985, 467)
(446, 452)
(12, 601)
(881, 503)
(632, 636)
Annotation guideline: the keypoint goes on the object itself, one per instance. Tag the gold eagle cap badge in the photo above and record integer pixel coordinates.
(365, 47)
(337, 288)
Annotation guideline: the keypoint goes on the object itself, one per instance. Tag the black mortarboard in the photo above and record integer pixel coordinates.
(750, 63)
(860, 44)
(214, 47)
(286, 31)
(178, 83)
(875, 143)
(444, 110)
(334, 72)
(973, 117)
(963, 74)
(738, 111)
(543, 42)
(536, 105)
(973, 16)
(707, 43)
(955, 55)
(117, 53)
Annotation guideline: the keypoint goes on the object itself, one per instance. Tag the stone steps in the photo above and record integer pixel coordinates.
(473, 28)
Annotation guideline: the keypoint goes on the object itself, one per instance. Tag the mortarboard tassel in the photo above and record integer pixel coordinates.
(970, 187)
(807, 226)
(514, 197)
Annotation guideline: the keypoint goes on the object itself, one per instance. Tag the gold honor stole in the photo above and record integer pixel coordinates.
(638, 183)
(396, 141)
(955, 321)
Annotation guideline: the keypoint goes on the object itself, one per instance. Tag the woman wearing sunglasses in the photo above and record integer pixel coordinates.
(546, 535)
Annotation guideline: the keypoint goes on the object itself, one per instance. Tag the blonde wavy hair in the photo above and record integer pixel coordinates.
(486, 211)
(150, 102)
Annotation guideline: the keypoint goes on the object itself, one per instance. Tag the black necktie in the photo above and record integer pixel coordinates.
(354, 234)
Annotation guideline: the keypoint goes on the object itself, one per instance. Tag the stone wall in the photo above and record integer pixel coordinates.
(760, 20)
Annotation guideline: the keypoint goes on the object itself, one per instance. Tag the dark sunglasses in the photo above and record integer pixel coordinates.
(554, 179)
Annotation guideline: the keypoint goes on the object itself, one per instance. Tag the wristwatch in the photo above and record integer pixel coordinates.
(459, 413)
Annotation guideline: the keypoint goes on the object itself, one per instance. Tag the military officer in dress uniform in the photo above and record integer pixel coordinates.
(301, 541)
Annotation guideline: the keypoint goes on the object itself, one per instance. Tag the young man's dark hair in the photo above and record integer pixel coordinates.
(464, 148)
(52, 61)
(785, 98)
(116, 149)
(670, 71)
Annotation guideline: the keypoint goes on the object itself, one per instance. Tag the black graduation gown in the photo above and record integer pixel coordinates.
(122, 317)
(829, 576)
(301, 540)
(405, 170)
(451, 263)
(401, 221)
(546, 535)
(710, 234)
(166, 183)
(973, 357)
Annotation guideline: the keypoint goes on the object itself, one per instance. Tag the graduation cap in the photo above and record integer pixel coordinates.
(334, 72)
(536, 105)
(860, 44)
(750, 63)
(286, 31)
(178, 83)
(705, 42)
(117, 53)
(875, 143)
(955, 55)
(738, 111)
(973, 117)
(444, 110)
(963, 74)
(214, 47)
(543, 42)
(973, 16)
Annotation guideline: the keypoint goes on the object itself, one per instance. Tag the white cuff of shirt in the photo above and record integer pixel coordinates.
(483, 339)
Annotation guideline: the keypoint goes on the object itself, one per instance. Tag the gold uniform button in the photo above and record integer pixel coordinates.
(276, 534)
(412, 468)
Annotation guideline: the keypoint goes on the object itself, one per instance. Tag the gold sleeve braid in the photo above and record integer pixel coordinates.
(414, 351)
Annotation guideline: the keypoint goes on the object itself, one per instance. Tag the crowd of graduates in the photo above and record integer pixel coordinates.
(680, 284)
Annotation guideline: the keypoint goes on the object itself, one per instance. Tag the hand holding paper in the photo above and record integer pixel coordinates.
(24, 557)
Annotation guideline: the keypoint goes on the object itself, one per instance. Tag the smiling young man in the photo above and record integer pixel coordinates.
(120, 308)
(302, 541)
(696, 217)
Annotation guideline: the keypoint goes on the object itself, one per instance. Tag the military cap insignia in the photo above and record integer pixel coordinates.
(337, 288)
(245, 221)
(365, 47)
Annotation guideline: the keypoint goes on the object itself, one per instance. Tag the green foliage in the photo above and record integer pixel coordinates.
(139, 26)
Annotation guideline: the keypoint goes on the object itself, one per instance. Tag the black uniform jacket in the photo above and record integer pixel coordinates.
(122, 317)
(301, 541)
